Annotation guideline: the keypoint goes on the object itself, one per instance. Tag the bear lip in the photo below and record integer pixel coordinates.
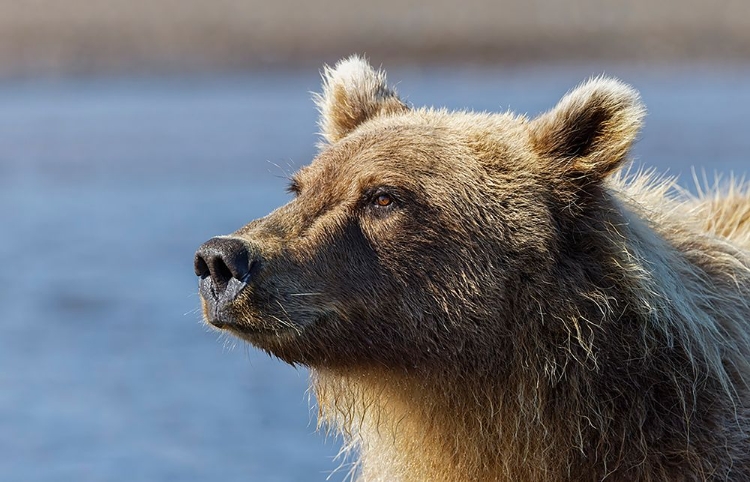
(217, 312)
(256, 334)
(208, 290)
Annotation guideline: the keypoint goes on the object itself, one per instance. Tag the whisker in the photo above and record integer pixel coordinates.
(194, 311)
(289, 323)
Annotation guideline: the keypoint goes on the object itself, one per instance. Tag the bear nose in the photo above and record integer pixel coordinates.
(223, 259)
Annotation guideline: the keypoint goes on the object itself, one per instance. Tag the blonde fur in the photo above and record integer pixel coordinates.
(352, 93)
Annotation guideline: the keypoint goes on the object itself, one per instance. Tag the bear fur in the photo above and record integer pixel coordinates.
(488, 297)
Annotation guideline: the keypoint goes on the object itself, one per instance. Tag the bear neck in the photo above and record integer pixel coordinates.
(414, 427)
(616, 364)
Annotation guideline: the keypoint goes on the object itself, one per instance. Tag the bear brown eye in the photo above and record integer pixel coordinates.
(383, 200)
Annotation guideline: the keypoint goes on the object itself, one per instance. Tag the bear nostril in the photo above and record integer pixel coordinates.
(201, 268)
(220, 273)
(222, 259)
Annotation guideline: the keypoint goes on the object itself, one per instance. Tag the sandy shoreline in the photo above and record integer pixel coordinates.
(79, 36)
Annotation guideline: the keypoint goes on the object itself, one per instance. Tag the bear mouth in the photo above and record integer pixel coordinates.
(244, 316)
(255, 329)
(218, 304)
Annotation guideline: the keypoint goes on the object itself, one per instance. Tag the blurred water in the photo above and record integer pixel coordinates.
(107, 187)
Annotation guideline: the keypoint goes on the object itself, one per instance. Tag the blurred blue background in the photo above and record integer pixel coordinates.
(109, 180)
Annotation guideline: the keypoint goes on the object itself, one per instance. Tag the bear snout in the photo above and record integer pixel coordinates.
(225, 266)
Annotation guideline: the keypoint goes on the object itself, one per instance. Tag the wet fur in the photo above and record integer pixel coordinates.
(525, 312)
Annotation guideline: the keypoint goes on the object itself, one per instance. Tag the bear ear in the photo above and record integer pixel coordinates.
(353, 92)
(590, 131)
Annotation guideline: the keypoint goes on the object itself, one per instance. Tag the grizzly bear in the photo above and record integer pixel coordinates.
(487, 297)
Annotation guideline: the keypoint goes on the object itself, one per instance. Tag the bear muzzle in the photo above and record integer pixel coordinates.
(225, 266)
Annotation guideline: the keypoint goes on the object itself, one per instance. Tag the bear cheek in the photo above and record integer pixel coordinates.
(386, 231)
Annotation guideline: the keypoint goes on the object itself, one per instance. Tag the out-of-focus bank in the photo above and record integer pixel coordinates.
(115, 36)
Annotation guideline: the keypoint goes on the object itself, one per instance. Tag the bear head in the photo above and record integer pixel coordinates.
(419, 235)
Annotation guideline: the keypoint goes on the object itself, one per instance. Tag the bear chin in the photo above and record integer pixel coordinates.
(268, 332)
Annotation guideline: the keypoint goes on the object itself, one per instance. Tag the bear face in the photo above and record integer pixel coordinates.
(416, 236)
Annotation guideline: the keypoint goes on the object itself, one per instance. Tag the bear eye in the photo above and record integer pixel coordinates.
(383, 200)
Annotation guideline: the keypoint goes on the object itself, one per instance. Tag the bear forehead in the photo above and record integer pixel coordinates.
(423, 143)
